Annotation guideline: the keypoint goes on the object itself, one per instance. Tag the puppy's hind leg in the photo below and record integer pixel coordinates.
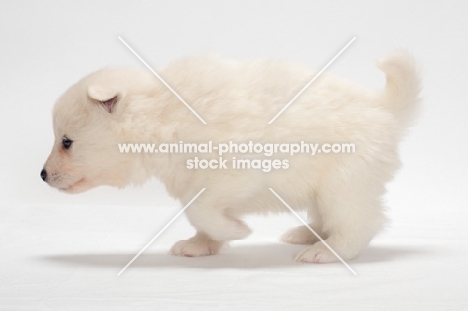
(351, 215)
(302, 234)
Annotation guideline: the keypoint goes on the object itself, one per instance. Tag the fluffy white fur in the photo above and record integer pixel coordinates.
(340, 192)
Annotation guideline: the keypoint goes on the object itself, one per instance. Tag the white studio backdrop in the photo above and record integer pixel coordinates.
(46, 46)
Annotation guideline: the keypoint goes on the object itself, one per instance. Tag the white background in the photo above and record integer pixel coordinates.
(63, 252)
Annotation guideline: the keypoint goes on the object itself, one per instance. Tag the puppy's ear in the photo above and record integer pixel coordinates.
(106, 97)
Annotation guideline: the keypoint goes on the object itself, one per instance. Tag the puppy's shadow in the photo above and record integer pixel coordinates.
(240, 257)
(375, 254)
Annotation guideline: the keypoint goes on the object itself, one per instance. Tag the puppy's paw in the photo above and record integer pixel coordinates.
(196, 247)
(299, 235)
(317, 253)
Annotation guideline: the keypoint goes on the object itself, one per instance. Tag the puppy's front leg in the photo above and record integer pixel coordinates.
(217, 222)
(214, 227)
(198, 245)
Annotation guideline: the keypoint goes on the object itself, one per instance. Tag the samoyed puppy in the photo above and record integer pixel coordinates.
(341, 192)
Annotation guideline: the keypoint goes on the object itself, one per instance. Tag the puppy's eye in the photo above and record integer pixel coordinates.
(66, 142)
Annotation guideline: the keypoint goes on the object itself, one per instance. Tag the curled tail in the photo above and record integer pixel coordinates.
(401, 93)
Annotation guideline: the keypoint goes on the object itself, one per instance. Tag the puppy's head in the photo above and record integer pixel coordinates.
(89, 121)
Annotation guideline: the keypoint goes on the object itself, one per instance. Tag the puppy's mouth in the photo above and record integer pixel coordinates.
(76, 187)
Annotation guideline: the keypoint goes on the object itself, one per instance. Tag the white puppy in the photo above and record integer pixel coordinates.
(340, 192)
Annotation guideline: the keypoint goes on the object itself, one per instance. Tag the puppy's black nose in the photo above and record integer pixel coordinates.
(43, 174)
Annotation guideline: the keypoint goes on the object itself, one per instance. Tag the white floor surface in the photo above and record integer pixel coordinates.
(68, 257)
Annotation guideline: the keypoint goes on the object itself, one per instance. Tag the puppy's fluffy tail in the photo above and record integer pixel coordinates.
(401, 93)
